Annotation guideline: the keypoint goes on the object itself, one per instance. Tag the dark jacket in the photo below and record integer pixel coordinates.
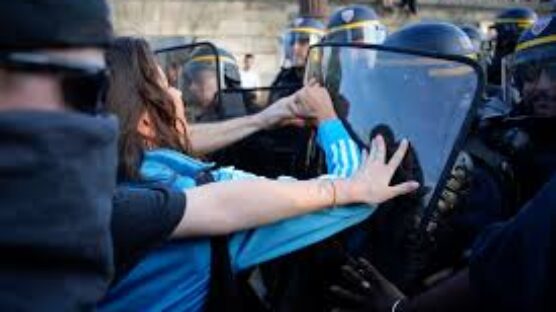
(57, 176)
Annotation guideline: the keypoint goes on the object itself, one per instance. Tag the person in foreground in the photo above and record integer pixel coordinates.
(154, 149)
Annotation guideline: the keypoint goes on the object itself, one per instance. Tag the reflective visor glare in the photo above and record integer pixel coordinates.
(369, 34)
(400, 96)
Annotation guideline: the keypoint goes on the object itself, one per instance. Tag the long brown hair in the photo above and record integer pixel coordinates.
(134, 89)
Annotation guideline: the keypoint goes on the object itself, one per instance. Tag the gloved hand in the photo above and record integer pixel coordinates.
(458, 183)
(366, 289)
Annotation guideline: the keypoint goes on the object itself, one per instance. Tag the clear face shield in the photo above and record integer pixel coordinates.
(295, 46)
(368, 32)
(402, 95)
(199, 77)
(530, 83)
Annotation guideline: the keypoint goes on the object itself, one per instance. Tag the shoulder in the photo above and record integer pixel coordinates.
(171, 168)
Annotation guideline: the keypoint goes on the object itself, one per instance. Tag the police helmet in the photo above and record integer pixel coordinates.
(204, 58)
(205, 75)
(531, 71)
(476, 36)
(435, 37)
(509, 25)
(355, 24)
(302, 33)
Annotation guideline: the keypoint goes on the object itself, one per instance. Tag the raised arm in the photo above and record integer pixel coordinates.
(343, 156)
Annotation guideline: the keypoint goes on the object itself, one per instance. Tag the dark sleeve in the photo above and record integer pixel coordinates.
(142, 219)
(512, 268)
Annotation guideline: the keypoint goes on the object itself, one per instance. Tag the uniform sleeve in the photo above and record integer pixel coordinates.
(143, 218)
(253, 247)
(512, 267)
(343, 157)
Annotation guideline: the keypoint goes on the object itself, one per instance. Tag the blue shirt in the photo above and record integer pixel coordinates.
(176, 276)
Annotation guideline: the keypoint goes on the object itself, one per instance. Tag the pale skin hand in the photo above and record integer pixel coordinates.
(310, 105)
(313, 103)
(225, 207)
(371, 183)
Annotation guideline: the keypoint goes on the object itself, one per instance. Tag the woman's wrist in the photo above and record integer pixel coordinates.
(346, 192)
(270, 117)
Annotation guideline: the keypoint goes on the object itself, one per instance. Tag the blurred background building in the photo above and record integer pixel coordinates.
(254, 26)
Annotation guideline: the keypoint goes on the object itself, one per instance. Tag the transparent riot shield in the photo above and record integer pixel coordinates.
(197, 71)
(425, 98)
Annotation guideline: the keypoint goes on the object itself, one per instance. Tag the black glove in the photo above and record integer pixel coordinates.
(458, 183)
(365, 289)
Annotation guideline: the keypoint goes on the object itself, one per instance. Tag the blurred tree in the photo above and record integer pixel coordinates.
(314, 8)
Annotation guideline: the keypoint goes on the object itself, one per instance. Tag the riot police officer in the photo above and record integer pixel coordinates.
(457, 218)
(203, 76)
(509, 25)
(296, 40)
(286, 150)
(527, 135)
(354, 24)
(296, 283)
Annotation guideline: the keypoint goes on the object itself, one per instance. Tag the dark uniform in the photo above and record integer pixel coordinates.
(301, 281)
(296, 40)
(295, 283)
(205, 79)
(440, 238)
(530, 88)
(289, 150)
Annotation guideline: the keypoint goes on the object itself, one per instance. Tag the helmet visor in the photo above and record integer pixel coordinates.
(295, 46)
(199, 77)
(369, 32)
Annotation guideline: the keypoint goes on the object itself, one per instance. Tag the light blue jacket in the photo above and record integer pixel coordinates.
(176, 276)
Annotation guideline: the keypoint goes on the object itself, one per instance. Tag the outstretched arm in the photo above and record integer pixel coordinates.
(226, 207)
(210, 137)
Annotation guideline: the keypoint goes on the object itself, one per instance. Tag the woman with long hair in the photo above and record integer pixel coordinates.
(154, 149)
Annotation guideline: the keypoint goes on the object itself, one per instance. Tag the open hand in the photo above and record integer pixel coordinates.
(371, 183)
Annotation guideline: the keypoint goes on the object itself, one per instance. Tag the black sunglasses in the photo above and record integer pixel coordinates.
(83, 84)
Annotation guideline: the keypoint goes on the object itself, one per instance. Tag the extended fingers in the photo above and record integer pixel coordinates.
(355, 278)
(378, 149)
(398, 156)
(403, 188)
(373, 274)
